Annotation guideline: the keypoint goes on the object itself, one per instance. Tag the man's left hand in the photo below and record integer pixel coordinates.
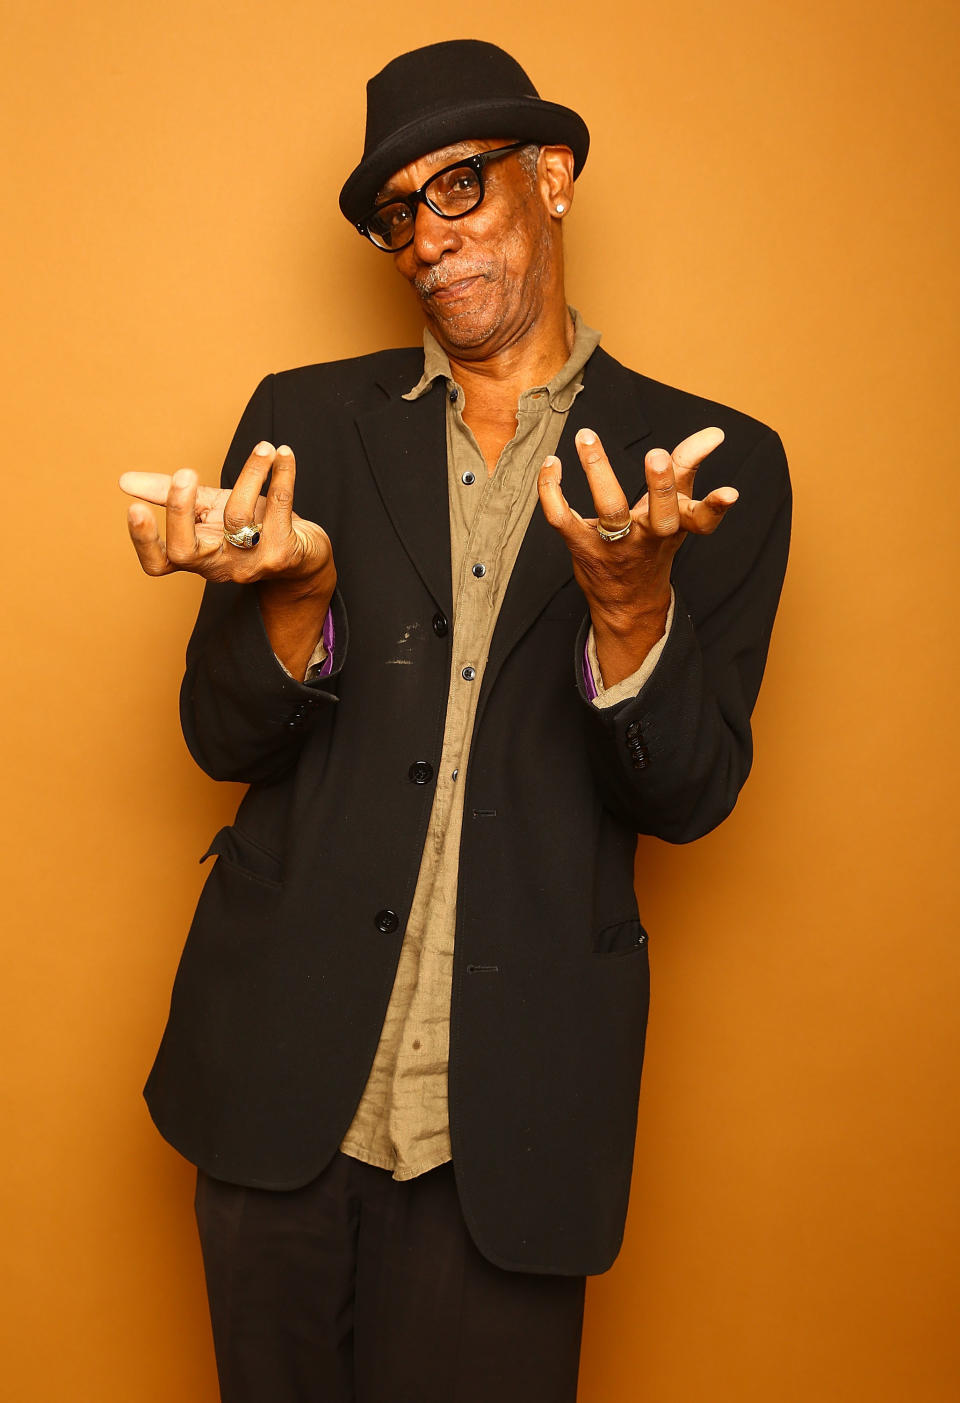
(627, 582)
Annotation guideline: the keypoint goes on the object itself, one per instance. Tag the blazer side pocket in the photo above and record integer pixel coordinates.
(246, 856)
(621, 938)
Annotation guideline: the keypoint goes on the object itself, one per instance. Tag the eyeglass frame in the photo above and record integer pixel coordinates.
(415, 198)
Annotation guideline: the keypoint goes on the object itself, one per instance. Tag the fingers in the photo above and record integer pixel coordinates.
(182, 517)
(613, 509)
(210, 501)
(181, 548)
(662, 501)
(278, 516)
(690, 453)
(704, 517)
(149, 487)
(155, 487)
(197, 516)
(146, 540)
(241, 506)
(555, 506)
(670, 479)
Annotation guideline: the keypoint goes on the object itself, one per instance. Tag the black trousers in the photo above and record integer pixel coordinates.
(359, 1289)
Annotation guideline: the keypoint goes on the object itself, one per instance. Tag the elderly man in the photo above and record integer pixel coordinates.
(406, 1034)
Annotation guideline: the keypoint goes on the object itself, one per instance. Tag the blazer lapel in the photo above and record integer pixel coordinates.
(608, 405)
(406, 446)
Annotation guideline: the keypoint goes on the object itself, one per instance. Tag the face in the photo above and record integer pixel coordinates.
(486, 279)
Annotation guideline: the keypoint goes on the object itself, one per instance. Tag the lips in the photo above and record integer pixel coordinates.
(450, 292)
(448, 288)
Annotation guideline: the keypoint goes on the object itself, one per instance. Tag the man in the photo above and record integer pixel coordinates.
(406, 1034)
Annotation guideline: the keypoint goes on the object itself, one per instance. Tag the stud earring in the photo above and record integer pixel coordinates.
(560, 209)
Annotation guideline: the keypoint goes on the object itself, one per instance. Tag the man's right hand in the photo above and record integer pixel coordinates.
(289, 548)
(292, 563)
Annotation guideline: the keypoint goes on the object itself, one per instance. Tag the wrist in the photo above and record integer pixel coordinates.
(293, 612)
(630, 619)
(316, 588)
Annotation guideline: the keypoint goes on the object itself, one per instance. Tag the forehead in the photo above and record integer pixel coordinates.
(412, 176)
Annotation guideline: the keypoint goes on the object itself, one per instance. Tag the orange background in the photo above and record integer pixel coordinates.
(768, 217)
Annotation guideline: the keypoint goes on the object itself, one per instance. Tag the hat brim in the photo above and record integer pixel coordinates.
(514, 119)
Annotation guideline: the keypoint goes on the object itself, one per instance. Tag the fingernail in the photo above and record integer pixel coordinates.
(283, 448)
(264, 449)
(586, 436)
(182, 477)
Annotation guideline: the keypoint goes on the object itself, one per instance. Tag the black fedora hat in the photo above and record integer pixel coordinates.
(450, 92)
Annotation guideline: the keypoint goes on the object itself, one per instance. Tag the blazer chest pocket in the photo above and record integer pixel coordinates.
(621, 938)
(246, 856)
(567, 604)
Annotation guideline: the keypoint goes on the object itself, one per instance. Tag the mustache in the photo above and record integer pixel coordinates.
(434, 278)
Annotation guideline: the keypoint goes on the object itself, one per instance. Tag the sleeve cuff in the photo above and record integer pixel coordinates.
(321, 659)
(603, 697)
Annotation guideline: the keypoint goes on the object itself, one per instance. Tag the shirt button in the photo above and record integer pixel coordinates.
(455, 774)
(468, 674)
(420, 772)
(479, 570)
(386, 921)
(633, 729)
(468, 479)
(453, 394)
(440, 625)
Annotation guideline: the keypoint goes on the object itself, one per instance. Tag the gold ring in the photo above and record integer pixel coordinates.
(246, 538)
(606, 535)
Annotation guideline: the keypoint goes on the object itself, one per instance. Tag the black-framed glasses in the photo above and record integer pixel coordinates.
(452, 192)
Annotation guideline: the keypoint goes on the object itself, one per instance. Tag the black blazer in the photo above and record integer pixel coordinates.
(290, 961)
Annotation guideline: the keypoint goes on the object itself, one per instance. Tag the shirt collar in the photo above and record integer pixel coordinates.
(561, 391)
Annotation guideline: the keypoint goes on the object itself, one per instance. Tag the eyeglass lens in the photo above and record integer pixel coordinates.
(450, 193)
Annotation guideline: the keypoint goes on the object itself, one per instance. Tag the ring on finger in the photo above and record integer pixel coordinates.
(245, 537)
(617, 535)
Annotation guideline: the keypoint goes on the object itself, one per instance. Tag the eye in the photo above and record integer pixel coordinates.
(390, 222)
(455, 190)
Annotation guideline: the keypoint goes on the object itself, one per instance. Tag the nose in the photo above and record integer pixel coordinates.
(432, 235)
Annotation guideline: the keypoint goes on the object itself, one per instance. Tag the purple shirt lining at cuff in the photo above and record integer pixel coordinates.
(590, 687)
(329, 640)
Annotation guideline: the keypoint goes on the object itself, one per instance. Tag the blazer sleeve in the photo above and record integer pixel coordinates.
(243, 716)
(671, 761)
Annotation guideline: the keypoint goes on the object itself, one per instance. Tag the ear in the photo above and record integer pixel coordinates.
(555, 171)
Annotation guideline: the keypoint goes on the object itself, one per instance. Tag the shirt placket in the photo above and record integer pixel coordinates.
(402, 1121)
